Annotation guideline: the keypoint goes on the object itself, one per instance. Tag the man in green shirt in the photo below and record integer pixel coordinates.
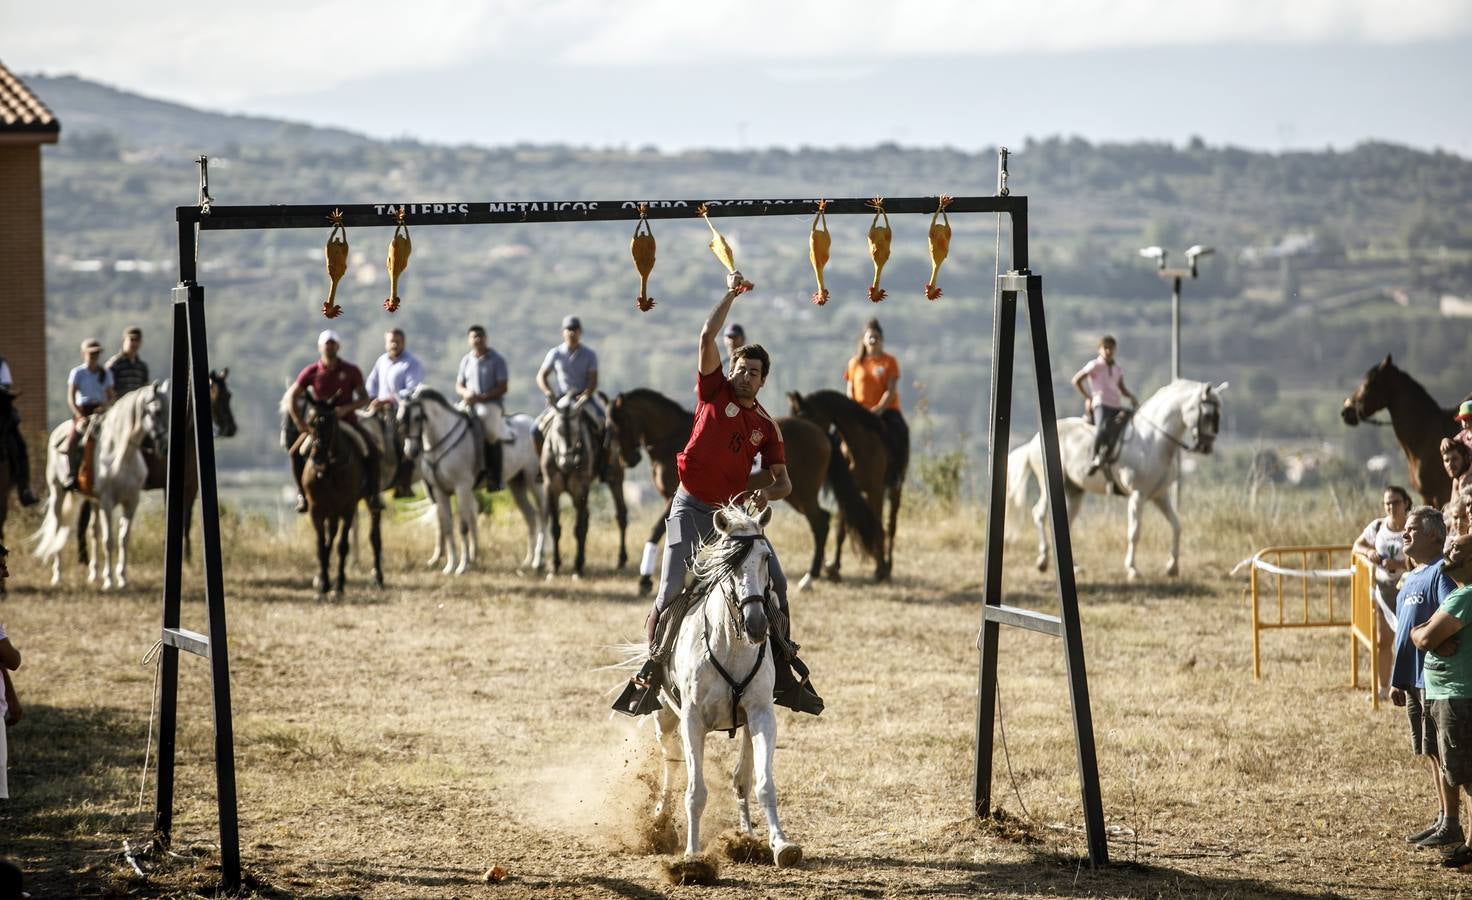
(1448, 678)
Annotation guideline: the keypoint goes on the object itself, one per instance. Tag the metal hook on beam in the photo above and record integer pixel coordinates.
(204, 185)
(1002, 189)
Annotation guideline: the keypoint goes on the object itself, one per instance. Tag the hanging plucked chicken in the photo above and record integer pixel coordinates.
(819, 243)
(398, 259)
(337, 262)
(641, 247)
(722, 249)
(940, 246)
(879, 240)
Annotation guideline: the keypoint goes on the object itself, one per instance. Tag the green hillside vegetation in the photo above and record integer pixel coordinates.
(1382, 234)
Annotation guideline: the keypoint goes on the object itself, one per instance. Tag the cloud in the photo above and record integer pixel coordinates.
(217, 54)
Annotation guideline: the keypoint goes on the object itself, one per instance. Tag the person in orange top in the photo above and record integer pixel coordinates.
(873, 378)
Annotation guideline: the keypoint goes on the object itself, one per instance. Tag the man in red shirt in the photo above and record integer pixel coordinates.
(339, 381)
(715, 468)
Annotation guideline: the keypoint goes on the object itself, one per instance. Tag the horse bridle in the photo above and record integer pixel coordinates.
(414, 435)
(573, 416)
(1208, 409)
(734, 607)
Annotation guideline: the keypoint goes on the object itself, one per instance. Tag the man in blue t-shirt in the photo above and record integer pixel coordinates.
(1421, 594)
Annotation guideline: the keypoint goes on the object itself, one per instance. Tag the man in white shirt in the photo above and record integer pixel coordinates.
(396, 372)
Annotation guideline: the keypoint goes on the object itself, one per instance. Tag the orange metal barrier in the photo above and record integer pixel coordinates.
(1318, 599)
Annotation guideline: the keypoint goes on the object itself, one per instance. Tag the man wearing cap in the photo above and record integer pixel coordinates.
(396, 372)
(481, 384)
(574, 366)
(13, 443)
(715, 469)
(89, 390)
(129, 373)
(339, 382)
(1464, 418)
(734, 337)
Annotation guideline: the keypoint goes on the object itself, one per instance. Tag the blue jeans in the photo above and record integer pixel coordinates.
(690, 523)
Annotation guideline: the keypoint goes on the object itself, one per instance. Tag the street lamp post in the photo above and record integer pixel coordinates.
(1175, 277)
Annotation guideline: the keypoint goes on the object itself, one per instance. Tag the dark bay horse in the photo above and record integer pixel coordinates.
(333, 481)
(1419, 423)
(647, 420)
(869, 448)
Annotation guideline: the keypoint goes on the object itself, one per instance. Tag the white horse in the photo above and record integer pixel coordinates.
(119, 472)
(720, 676)
(1183, 415)
(440, 438)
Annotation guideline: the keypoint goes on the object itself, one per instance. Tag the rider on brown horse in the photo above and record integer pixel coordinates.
(339, 382)
(731, 427)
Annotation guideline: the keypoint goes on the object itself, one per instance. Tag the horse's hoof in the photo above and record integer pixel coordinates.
(1172, 570)
(577, 576)
(786, 855)
(550, 575)
(1042, 564)
(646, 585)
(804, 581)
(1132, 575)
(833, 574)
(322, 597)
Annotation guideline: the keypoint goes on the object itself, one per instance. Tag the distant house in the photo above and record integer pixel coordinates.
(25, 124)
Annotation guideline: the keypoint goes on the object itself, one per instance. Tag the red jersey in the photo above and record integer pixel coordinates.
(343, 383)
(725, 439)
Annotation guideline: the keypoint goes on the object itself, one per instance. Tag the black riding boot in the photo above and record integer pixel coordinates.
(370, 483)
(493, 466)
(403, 475)
(793, 688)
(20, 468)
(641, 695)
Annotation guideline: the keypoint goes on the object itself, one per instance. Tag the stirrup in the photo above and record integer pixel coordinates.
(640, 696)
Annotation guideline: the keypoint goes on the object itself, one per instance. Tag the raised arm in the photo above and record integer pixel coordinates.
(710, 354)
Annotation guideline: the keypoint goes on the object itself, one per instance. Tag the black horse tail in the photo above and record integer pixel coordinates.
(851, 503)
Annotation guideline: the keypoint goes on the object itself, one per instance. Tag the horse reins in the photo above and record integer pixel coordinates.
(738, 688)
(457, 434)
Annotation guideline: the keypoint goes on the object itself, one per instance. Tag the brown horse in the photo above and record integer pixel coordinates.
(333, 481)
(869, 449)
(647, 420)
(1419, 422)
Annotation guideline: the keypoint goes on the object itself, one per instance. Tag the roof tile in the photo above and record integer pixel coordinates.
(21, 110)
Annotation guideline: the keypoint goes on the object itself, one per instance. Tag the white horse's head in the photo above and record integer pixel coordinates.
(568, 439)
(737, 562)
(1201, 410)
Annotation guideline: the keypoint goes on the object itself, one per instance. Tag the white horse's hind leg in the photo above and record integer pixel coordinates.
(1162, 503)
(447, 530)
(1040, 519)
(742, 781)
(761, 722)
(692, 734)
(1133, 535)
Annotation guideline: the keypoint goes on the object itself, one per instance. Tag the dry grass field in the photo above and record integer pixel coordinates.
(402, 742)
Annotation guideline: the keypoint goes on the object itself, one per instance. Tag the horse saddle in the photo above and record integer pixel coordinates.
(87, 468)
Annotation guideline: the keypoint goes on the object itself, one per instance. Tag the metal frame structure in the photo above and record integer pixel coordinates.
(191, 366)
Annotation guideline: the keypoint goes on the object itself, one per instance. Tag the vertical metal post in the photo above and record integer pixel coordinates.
(1004, 330)
(209, 515)
(1078, 683)
(175, 523)
(1175, 372)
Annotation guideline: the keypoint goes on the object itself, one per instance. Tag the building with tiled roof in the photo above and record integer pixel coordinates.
(25, 124)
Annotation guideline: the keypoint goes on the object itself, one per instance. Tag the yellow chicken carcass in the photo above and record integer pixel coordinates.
(642, 249)
(337, 263)
(879, 240)
(398, 259)
(820, 242)
(722, 249)
(940, 246)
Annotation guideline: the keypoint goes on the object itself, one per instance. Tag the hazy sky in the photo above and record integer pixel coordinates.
(681, 73)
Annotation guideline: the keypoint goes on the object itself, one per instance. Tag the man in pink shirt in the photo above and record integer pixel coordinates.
(1102, 404)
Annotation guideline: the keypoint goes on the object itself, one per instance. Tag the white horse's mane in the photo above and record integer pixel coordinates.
(119, 423)
(1167, 397)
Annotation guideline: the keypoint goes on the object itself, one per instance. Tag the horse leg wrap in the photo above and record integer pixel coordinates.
(647, 562)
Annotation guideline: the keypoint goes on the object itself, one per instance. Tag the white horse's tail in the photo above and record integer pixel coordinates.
(56, 529)
(1019, 470)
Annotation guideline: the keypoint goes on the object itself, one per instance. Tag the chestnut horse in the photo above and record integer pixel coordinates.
(644, 419)
(1419, 422)
(333, 481)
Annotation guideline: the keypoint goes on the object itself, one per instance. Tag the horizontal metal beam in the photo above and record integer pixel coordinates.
(189, 641)
(512, 212)
(1024, 618)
